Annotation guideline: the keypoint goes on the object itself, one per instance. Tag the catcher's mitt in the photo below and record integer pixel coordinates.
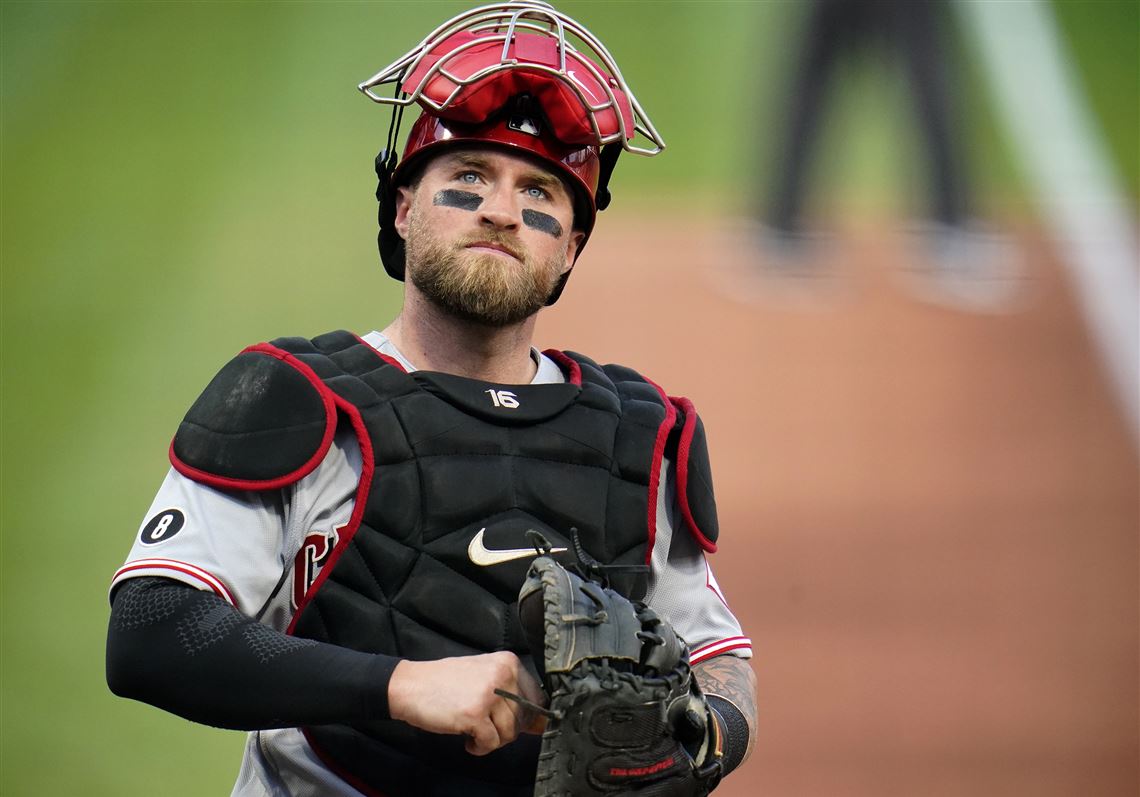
(625, 715)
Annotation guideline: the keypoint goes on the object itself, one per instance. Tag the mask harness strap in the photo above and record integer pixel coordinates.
(386, 158)
(607, 160)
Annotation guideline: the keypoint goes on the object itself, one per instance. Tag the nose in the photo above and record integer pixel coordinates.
(500, 210)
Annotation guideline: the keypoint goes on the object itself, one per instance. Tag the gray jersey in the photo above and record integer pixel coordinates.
(260, 551)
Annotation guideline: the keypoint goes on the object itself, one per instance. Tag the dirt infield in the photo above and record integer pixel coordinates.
(929, 517)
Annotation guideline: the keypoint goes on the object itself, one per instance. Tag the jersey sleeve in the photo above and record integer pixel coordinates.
(227, 542)
(683, 589)
(253, 548)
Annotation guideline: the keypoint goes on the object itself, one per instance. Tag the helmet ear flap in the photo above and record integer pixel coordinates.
(558, 288)
(388, 241)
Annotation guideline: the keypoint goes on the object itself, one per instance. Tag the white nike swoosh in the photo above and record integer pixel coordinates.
(481, 555)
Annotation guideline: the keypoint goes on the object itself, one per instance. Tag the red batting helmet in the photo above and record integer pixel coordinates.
(507, 76)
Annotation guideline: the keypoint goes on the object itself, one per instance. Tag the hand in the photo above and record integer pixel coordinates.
(457, 696)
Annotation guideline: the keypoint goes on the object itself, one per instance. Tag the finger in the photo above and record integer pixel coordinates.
(506, 720)
(483, 738)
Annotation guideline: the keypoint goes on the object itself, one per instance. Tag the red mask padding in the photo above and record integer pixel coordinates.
(474, 103)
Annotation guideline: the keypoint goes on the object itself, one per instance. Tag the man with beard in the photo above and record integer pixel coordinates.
(334, 560)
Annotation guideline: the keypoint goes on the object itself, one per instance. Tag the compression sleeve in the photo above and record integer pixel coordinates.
(189, 652)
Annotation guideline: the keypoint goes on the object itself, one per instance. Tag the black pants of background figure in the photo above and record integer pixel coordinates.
(907, 30)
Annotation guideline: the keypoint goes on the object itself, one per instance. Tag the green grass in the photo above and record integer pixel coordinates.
(181, 179)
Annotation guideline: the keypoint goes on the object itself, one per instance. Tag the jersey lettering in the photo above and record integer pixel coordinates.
(503, 398)
(162, 526)
(307, 564)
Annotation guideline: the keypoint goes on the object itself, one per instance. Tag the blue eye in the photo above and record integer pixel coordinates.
(536, 193)
(468, 177)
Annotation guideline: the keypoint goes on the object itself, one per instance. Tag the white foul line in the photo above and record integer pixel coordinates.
(1062, 154)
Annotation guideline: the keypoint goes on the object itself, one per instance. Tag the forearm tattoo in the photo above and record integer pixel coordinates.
(731, 678)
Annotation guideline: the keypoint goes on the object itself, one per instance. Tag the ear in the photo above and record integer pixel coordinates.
(576, 238)
(404, 196)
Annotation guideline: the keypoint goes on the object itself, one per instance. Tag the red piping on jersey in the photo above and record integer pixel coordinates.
(713, 649)
(683, 447)
(714, 589)
(655, 466)
(327, 398)
(569, 365)
(213, 582)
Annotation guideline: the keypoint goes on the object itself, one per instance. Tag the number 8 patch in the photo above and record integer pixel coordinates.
(162, 526)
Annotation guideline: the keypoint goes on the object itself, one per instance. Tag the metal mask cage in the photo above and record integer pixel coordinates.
(500, 23)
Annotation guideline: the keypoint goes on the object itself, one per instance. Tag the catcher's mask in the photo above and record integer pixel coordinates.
(507, 76)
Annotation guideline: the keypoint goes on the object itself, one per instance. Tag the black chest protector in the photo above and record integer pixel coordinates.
(454, 473)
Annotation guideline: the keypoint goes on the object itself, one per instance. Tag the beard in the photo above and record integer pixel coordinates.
(477, 287)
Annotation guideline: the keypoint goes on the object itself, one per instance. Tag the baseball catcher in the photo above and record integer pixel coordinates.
(334, 560)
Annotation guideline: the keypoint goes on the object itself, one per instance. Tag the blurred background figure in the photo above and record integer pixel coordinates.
(953, 258)
(835, 30)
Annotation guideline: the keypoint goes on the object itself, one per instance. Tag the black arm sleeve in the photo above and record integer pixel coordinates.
(191, 653)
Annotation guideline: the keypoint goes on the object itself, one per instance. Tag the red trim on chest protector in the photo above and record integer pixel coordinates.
(655, 466)
(568, 364)
(386, 358)
(327, 398)
(683, 447)
(574, 374)
(367, 468)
